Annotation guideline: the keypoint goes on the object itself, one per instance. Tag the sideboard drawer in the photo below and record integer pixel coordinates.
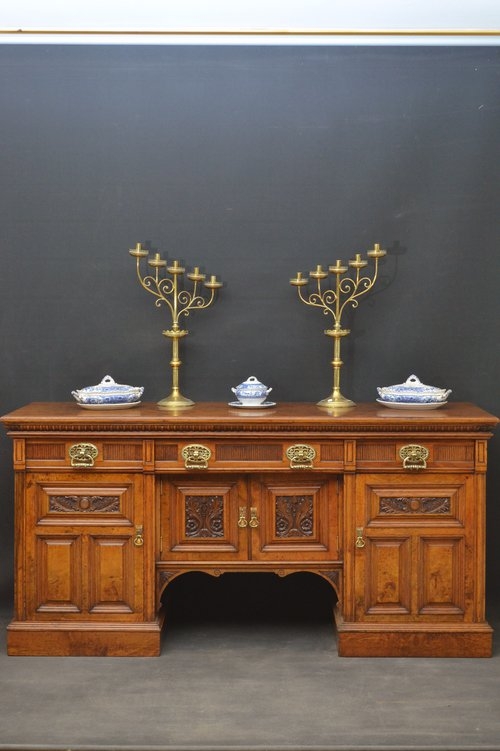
(240, 454)
(84, 453)
(415, 453)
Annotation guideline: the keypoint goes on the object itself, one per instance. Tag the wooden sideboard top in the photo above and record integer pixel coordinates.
(219, 416)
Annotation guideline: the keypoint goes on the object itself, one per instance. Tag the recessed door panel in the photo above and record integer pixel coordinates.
(112, 579)
(200, 518)
(58, 586)
(387, 572)
(441, 575)
(295, 516)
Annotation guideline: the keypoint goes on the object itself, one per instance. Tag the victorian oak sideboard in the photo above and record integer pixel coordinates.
(388, 506)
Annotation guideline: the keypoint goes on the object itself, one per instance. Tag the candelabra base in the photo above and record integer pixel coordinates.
(336, 400)
(175, 401)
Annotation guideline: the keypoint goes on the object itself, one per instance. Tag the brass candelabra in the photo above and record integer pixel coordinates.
(180, 301)
(346, 290)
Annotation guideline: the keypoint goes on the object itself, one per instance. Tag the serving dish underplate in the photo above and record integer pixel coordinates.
(264, 405)
(411, 405)
(117, 405)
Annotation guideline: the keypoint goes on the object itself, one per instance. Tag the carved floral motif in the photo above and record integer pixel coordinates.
(294, 515)
(415, 505)
(86, 504)
(204, 516)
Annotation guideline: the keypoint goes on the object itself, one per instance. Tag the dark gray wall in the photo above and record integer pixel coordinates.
(255, 163)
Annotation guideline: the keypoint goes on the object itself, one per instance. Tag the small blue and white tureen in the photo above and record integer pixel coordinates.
(108, 392)
(251, 392)
(413, 391)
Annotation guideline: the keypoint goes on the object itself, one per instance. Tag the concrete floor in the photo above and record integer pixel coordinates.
(263, 685)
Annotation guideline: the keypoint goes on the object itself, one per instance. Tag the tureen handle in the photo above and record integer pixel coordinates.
(413, 379)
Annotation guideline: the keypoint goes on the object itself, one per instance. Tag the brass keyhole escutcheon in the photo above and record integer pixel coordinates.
(414, 456)
(139, 537)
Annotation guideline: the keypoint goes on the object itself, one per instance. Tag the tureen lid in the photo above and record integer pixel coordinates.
(412, 384)
(251, 388)
(107, 384)
(251, 381)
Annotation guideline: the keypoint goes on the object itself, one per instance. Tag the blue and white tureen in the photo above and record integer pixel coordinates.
(108, 392)
(412, 391)
(251, 392)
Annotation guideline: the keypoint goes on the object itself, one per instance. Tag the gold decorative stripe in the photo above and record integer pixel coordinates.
(261, 32)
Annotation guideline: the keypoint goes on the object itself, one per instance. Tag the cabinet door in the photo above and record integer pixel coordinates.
(294, 517)
(203, 518)
(84, 546)
(413, 546)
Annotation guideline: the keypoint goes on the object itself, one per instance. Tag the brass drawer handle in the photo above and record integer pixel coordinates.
(83, 454)
(242, 520)
(414, 456)
(139, 536)
(301, 456)
(254, 519)
(359, 543)
(196, 456)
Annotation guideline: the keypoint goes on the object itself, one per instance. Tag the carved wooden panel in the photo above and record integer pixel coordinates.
(441, 585)
(112, 575)
(199, 517)
(414, 505)
(90, 504)
(294, 516)
(387, 572)
(204, 516)
(57, 584)
(413, 500)
(85, 498)
(297, 515)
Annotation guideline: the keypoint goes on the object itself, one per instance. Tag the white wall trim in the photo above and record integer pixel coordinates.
(250, 22)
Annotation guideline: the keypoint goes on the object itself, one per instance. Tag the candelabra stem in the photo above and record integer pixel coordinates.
(336, 399)
(175, 399)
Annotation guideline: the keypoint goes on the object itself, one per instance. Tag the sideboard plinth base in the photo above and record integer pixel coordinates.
(52, 639)
(407, 640)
